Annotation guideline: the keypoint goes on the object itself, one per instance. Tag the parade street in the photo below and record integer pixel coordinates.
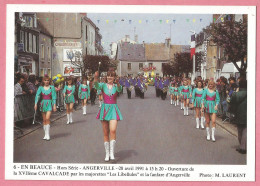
(152, 132)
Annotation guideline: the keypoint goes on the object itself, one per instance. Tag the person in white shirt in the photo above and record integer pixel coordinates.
(18, 87)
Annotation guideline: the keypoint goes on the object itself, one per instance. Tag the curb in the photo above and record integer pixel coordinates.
(40, 126)
(227, 128)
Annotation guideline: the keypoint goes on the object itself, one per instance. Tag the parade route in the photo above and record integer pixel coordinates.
(152, 132)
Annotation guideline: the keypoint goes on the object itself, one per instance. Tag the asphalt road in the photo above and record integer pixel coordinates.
(152, 132)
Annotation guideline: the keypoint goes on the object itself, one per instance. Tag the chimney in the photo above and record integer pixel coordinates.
(136, 38)
(167, 42)
(127, 38)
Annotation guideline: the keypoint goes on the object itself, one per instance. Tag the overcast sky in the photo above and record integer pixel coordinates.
(151, 29)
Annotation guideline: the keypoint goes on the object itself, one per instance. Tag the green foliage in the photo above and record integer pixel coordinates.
(232, 36)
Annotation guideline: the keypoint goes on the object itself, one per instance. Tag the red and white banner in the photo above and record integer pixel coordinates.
(192, 45)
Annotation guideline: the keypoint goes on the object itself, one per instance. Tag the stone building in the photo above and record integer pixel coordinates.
(74, 35)
(133, 58)
(26, 43)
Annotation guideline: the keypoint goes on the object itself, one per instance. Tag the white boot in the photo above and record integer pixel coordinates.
(198, 123)
(68, 117)
(187, 111)
(202, 122)
(45, 136)
(106, 144)
(213, 134)
(181, 106)
(184, 111)
(71, 118)
(171, 101)
(208, 134)
(112, 149)
(85, 109)
(99, 104)
(177, 102)
(48, 132)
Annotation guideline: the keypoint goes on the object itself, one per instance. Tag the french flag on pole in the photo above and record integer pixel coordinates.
(192, 46)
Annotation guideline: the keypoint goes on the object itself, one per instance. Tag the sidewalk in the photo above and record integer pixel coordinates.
(30, 128)
(229, 127)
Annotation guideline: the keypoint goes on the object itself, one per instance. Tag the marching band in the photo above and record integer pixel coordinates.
(202, 98)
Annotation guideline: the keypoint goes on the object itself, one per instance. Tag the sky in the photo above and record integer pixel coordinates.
(150, 29)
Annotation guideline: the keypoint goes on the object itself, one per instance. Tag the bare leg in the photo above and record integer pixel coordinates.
(48, 116)
(67, 108)
(105, 130)
(43, 118)
(112, 127)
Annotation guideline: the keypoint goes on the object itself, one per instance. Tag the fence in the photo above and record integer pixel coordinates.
(24, 105)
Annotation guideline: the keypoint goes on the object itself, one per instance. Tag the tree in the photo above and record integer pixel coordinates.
(92, 63)
(232, 36)
(167, 69)
(182, 63)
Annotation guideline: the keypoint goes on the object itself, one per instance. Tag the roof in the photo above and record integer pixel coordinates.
(131, 52)
(160, 52)
(156, 52)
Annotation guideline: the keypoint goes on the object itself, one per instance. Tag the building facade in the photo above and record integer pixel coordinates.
(147, 58)
(45, 55)
(74, 35)
(26, 43)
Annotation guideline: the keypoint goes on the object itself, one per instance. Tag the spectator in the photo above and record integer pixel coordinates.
(232, 86)
(24, 86)
(223, 98)
(238, 104)
(18, 86)
(31, 84)
(37, 82)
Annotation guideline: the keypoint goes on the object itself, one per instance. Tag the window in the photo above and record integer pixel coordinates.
(92, 39)
(86, 32)
(129, 66)
(34, 43)
(28, 21)
(25, 41)
(45, 71)
(30, 42)
(150, 65)
(49, 53)
(42, 72)
(21, 36)
(42, 51)
(49, 72)
(140, 65)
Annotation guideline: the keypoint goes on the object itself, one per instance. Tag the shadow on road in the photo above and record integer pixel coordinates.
(124, 154)
(62, 135)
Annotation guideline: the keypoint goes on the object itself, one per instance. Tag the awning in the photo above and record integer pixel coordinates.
(230, 67)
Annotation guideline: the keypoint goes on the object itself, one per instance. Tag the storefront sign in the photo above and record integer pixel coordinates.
(69, 69)
(74, 55)
(67, 44)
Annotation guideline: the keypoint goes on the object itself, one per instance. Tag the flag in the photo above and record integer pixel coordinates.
(192, 46)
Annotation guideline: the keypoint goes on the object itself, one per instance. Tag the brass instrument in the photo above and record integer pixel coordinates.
(143, 89)
(165, 89)
(131, 88)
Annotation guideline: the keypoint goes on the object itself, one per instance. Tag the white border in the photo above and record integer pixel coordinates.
(250, 10)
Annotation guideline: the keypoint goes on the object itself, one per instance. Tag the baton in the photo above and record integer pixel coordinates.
(34, 117)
